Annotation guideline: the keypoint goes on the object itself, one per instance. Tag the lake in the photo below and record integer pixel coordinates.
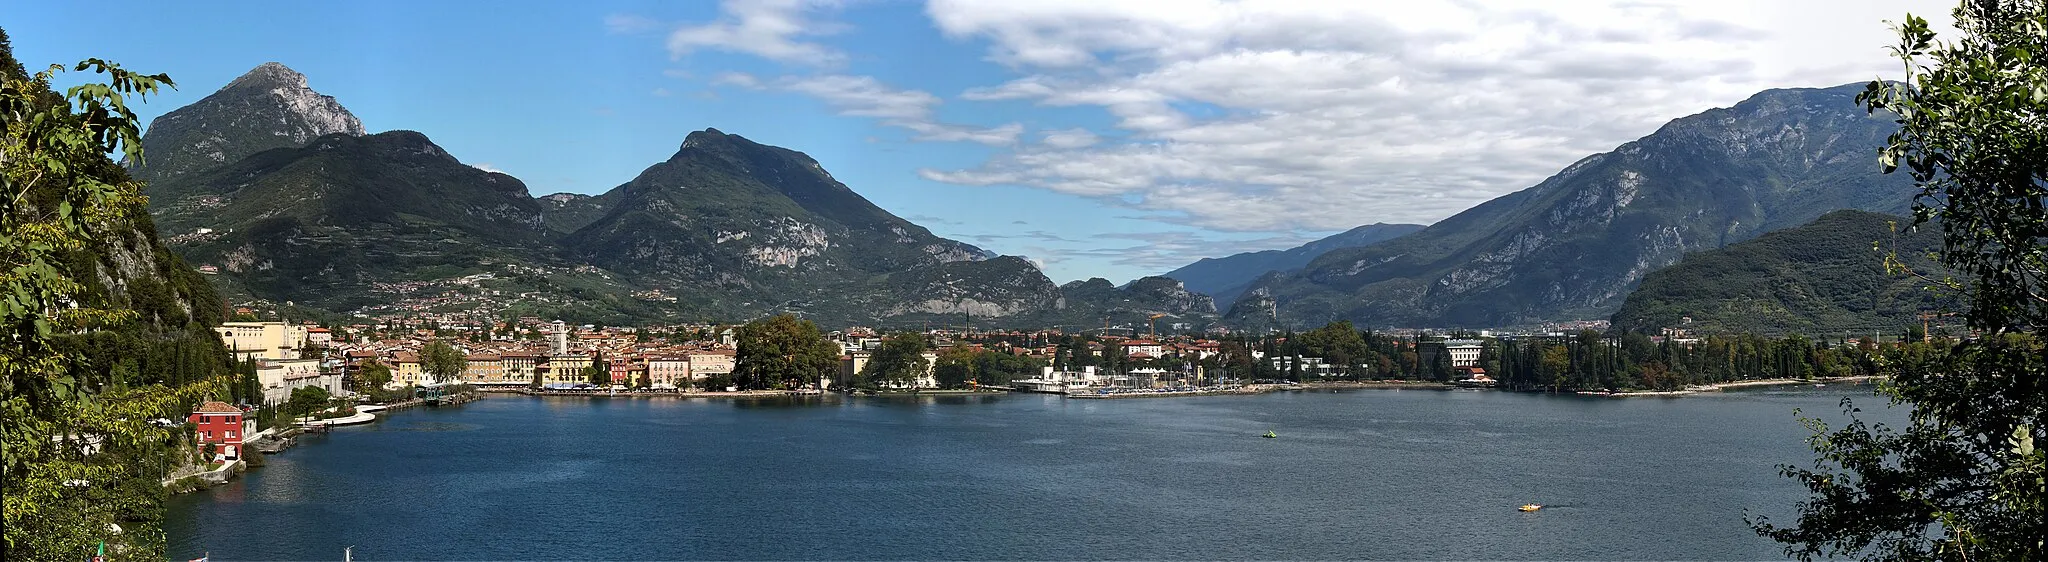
(1403, 474)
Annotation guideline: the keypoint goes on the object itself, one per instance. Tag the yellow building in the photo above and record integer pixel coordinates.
(485, 369)
(407, 370)
(519, 367)
(567, 369)
(262, 340)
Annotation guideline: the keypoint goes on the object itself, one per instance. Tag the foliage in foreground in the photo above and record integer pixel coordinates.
(81, 458)
(1963, 480)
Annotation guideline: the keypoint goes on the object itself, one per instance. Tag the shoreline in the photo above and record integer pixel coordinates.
(1721, 387)
(642, 393)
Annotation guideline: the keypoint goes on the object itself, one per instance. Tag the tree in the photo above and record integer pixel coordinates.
(899, 361)
(1963, 479)
(62, 196)
(599, 373)
(955, 366)
(783, 350)
(992, 367)
(305, 400)
(372, 374)
(443, 361)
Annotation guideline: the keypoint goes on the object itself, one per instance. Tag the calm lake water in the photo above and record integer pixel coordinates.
(1408, 474)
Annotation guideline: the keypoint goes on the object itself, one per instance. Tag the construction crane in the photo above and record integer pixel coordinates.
(1926, 334)
(1152, 323)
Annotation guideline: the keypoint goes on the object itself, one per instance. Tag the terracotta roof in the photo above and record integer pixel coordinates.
(218, 407)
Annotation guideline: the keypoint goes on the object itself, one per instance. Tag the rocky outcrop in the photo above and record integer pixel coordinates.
(268, 107)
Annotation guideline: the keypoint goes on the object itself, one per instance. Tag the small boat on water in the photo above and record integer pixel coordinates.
(1530, 507)
(1270, 435)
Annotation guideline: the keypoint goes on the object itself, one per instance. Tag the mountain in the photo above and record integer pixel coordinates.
(1096, 298)
(1574, 245)
(566, 212)
(725, 229)
(1825, 277)
(268, 107)
(765, 225)
(1226, 277)
(322, 224)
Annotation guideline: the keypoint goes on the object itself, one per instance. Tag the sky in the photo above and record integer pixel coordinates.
(1099, 138)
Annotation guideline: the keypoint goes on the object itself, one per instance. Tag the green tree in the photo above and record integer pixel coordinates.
(306, 400)
(63, 196)
(1963, 479)
(899, 361)
(955, 366)
(443, 361)
(1000, 368)
(782, 351)
(372, 374)
(599, 373)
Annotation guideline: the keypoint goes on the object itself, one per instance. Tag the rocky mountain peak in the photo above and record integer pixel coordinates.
(267, 76)
(268, 107)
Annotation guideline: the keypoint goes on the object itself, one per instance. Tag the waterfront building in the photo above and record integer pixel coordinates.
(220, 430)
(1049, 380)
(567, 368)
(668, 372)
(406, 370)
(279, 377)
(1462, 353)
(484, 368)
(250, 341)
(852, 362)
(521, 367)
(709, 362)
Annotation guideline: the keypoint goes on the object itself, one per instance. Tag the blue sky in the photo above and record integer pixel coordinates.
(1099, 138)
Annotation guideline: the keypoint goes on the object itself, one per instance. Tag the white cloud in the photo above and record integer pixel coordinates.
(770, 29)
(1069, 138)
(864, 96)
(1297, 116)
(487, 166)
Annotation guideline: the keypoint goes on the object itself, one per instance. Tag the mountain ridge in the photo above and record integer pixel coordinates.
(1572, 245)
(1226, 277)
(724, 228)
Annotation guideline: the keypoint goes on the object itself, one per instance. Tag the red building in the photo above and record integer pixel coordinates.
(220, 429)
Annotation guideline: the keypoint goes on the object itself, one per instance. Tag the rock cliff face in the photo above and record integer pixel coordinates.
(269, 107)
(1574, 245)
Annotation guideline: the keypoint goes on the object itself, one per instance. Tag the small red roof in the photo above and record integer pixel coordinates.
(218, 407)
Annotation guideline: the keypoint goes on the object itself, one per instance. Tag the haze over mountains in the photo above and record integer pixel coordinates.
(1573, 246)
(1227, 277)
(724, 229)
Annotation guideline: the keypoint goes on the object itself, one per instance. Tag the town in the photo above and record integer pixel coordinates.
(532, 354)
